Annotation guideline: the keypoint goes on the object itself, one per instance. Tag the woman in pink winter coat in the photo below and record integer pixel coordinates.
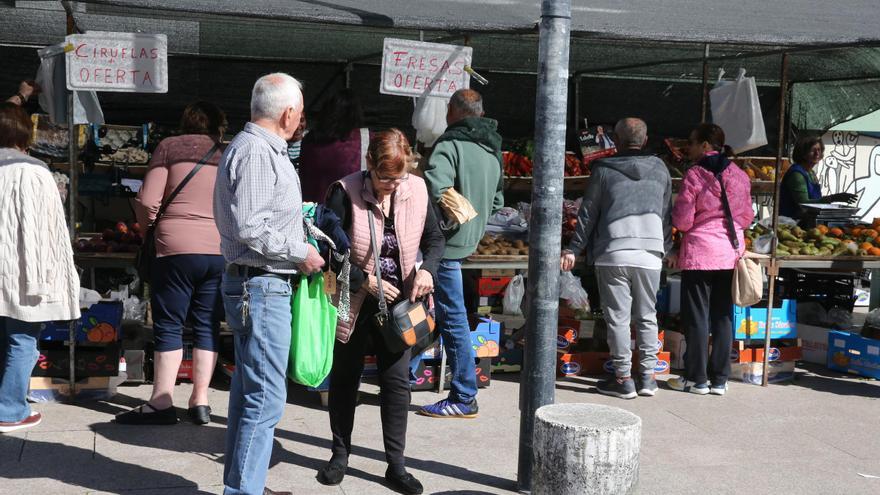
(710, 248)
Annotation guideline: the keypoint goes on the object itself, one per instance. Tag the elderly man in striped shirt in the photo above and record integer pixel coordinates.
(258, 211)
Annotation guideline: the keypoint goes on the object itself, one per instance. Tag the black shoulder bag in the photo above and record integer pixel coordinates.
(147, 252)
(407, 323)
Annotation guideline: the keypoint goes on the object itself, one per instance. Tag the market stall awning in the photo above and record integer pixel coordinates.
(742, 21)
(636, 40)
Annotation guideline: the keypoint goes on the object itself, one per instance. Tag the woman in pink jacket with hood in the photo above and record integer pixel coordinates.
(709, 251)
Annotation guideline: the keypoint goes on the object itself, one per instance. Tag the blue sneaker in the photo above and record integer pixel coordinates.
(449, 409)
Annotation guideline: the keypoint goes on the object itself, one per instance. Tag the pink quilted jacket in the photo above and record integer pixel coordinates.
(698, 213)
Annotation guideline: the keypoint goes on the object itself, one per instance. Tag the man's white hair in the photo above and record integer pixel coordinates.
(273, 94)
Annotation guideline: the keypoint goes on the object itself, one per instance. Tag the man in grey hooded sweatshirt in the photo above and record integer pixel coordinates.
(625, 229)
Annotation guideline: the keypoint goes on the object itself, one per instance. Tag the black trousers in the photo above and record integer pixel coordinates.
(706, 308)
(345, 378)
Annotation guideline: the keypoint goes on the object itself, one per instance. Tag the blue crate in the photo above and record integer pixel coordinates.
(852, 353)
(106, 314)
(782, 326)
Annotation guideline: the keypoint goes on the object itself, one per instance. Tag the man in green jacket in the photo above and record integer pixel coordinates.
(467, 158)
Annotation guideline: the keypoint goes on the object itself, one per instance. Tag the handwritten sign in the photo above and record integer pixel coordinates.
(122, 62)
(416, 68)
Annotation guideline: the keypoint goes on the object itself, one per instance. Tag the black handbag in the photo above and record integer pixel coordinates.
(147, 252)
(407, 323)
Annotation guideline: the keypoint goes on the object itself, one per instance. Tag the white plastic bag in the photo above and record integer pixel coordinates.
(429, 119)
(737, 110)
(513, 296)
(571, 289)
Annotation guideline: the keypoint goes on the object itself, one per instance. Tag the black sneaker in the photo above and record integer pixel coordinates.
(405, 483)
(622, 388)
(648, 386)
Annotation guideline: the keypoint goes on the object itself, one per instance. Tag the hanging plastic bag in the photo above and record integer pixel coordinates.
(513, 296)
(429, 119)
(312, 332)
(571, 289)
(737, 110)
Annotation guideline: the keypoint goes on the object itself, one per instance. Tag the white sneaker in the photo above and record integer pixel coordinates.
(683, 385)
(718, 389)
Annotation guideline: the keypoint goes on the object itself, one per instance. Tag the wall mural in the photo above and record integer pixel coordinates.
(852, 164)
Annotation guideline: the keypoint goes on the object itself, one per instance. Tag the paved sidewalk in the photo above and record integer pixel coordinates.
(811, 437)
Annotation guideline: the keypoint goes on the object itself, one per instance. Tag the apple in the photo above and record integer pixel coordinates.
(108, 235)
(121, 227)
(136, 228)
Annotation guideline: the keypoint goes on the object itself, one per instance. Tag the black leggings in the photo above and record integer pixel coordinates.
(394, 398)
(706, 307)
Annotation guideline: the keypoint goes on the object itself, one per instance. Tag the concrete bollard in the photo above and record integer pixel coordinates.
(585, 449)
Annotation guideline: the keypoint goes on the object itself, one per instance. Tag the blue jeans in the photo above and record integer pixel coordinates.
(18, 354)
(259, 385)
(456, 332)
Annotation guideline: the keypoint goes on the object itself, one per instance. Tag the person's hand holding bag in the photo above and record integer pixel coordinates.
(423, 285)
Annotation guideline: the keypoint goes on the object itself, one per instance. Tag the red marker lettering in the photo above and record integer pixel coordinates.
(397, 58)
(83, 45)
(84, 75)
(398, 80)
(120, 76)
(147, 78)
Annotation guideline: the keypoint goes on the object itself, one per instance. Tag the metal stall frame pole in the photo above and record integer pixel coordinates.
(72, 201)
(551, 118)
(704, 96)
(773, 268)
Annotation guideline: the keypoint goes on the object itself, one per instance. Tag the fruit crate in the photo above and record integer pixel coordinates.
(827, 289)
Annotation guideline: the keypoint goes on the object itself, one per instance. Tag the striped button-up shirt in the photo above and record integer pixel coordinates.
(258, 203)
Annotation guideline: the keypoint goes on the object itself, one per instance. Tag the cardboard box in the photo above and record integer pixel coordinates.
(675, 344)
(497, 273)
(814, 343)
(492, 286)
(571, 364)
(486, 337)
(427, 372)
(566, 338)
(753, 373)
(742, 354)
(852, 353)
(100, 323)
(46, 389)
(599, 363)
(54, 361)
(661, 337)
(783, 324)
(132, 364)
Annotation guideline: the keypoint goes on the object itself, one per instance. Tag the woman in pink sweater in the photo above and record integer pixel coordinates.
(712, 243)
(188, 269)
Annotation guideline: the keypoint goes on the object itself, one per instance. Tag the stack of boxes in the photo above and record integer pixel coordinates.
(749, 332)
(854, 354)
(485, 341)
(97, 353)
(589, 356)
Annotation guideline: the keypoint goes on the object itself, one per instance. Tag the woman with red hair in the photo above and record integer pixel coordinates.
(397, 204)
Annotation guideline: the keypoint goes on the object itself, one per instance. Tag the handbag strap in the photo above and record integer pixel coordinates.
(383, 306)
(179, 187)
(731, 228)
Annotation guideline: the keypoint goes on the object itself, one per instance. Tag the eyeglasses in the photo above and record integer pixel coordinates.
(392, 180)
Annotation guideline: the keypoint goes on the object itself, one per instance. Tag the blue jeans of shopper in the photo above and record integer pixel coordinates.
(456, 332)
(259, 384)
(18, 354)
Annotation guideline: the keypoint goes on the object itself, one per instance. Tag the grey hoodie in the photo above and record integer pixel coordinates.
(11, 156)
(627, 205)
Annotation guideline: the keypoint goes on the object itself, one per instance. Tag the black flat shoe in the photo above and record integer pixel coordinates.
(145, 414)
(332, 474)
(200, 415)
(405, 483)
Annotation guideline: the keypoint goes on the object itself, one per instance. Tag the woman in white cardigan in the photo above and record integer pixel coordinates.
(38, 280)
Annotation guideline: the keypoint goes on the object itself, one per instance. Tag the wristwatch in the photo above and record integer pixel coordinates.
(21, 97)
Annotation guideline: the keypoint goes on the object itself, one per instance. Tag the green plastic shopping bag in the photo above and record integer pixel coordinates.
(313, 331)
